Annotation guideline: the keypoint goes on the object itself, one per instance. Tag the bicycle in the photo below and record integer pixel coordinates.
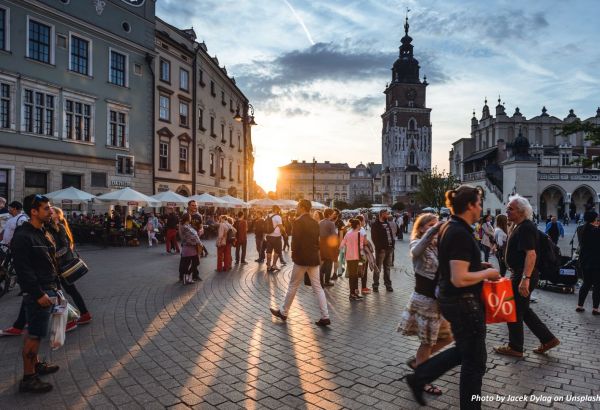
(8, 276)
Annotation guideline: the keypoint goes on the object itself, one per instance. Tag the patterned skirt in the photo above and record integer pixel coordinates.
(422, 318)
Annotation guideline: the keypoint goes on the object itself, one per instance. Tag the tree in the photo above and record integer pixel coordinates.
(362, 201)
(591, 132)
(433, 186)
(399, 206)
(341, 205)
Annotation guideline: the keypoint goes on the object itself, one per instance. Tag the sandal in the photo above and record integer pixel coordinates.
(579, 309)
(431, 389)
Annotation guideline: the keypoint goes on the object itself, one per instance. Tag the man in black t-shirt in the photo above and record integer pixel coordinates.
(383, 239)
(521, 261)
(461, 273)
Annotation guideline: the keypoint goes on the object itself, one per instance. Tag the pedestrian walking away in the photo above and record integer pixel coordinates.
(383, 239)
(461, 274)
(589, 260)
(241, 238)
(521, 260)
(305, 255)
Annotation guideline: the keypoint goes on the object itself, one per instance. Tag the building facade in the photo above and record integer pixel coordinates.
(406, 132)
(512, 154)
(365, 183)
(76, 96)
(318, 181)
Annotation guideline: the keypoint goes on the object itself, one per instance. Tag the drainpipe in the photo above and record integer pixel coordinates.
(194, 120)
(150, 61)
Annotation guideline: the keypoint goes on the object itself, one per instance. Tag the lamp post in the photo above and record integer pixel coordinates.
(247, 121)
(314, 166)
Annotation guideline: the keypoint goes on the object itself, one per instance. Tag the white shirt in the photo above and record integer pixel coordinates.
(11, 225)
(500, 236)
(276, 219)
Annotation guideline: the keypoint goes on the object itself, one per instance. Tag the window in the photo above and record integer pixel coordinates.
(183, 159)
(239, 178)
(564, 158)
(201, 119)
(5, 104)
(201, 160)
(39, 46)
(231, 106)
(212, 88)
(4, 29)
(124, 165)
(239, 143)
(163, 156)
(411, 160)
(413, 180)
(184, 114)
(212, 126)
(164, 110)
(222, 167)
(184, 77)
(118, 69)
(36, 182)
(201, 78)
(231, 138)
(222, 133)
(71, 180)
(117, 128)
(165, 70)
(38, 112)
(78, 121)
(223, 98)
(99, 179)
(80, 57)
(230, 171)
(211, 159)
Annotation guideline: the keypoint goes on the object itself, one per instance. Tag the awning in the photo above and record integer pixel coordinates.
(486, 153)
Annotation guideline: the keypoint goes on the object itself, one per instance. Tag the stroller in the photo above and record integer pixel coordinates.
(564, 279)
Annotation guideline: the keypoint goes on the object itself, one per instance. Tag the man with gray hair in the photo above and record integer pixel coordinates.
(520, 259)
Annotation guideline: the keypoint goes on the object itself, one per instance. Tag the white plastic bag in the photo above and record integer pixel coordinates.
(58, 322)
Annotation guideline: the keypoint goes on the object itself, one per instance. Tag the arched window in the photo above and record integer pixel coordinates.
(412, 124)
(411, 158)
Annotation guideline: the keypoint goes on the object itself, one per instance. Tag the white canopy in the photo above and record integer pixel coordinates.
(234, 202)
(129, 197)
(70, 195)
(287, 203)
(263, 203)
(207, 199)
(317, 205)
(170, 198)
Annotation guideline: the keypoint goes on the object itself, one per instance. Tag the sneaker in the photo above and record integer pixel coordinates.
(544, 347)
(277, 313)
(11, 331)
(71, 325)
(33, 384)
(323, 322)
(84, 319)
(259, 260)
(508, 351)
(375, 289)
(44, 368)
(389, 288)
(365, 291)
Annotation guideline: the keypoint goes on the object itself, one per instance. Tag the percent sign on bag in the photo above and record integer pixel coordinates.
(499, 302)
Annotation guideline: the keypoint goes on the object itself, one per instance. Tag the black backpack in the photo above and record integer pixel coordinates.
(548, 259)
(269, 228)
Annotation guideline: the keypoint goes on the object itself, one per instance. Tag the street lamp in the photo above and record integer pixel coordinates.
(247, 121)
(314, 166)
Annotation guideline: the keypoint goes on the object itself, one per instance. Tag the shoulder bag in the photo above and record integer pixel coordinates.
(73, 270)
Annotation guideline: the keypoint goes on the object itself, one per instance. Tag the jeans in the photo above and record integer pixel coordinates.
(467, 320)
(295, 280)
(242, 246)
(384, 260)
(486, 252)
(526, 315)
(325, 271)
(591, 280)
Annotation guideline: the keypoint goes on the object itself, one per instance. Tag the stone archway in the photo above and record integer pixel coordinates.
(552, 202)
(183, 190)
(582, 199)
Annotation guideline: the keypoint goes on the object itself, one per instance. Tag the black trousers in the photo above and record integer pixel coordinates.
(72, 291)
(526, 316)
(240, 246)
(325, 271)
(353, 276)
(466, 315)
(591, 279)
(189, 264)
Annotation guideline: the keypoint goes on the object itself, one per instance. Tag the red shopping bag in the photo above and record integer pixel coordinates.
(499, 301)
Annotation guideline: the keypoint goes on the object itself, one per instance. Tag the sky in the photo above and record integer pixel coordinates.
(315, 71)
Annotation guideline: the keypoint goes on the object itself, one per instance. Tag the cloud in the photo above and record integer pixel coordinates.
(296, 112)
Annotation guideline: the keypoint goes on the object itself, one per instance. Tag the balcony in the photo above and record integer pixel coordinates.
(474, 176)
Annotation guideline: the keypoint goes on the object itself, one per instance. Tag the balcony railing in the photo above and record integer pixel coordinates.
(474, 176)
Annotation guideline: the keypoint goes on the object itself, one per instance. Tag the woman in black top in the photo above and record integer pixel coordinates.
(65, 252)
(589, 260)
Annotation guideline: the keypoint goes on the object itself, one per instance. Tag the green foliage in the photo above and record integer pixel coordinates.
(341, 205)
(433, 186)
(362, 201)
(399, 206)
(591, 132)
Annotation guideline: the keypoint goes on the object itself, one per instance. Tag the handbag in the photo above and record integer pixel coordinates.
(499, 301)
(73, 270)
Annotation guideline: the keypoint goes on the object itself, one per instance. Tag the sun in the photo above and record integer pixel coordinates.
(265, 174)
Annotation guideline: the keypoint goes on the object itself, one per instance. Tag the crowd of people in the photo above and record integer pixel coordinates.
(451, 260)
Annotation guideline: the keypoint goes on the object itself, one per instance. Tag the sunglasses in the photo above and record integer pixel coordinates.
(37, 199)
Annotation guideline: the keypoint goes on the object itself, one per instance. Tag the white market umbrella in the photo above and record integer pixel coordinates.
(317, 205)
(170, 198)
(263, 203)
(234, 202)
(206, 199)
(70, 195)
(287, 203)
(129, 197)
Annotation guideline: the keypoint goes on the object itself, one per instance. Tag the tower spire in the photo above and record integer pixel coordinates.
(406, 25)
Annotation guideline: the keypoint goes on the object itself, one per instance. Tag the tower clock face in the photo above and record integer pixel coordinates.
(411, 94)
(136, 3)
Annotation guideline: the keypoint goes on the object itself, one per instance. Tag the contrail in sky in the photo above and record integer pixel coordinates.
(300, 21)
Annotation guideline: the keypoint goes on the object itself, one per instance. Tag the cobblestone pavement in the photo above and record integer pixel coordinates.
(154, 343)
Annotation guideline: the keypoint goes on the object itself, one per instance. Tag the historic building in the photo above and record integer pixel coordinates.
(318, 181)
(507, 154)
(365, 182)
(76, 95)
(406, 133)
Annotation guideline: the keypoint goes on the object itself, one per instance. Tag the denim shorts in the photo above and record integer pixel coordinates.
(38, 318)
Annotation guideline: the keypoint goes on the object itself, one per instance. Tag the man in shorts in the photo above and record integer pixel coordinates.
(34, 255)
(275, 230)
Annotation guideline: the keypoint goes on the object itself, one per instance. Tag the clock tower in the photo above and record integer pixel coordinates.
(406, 131)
